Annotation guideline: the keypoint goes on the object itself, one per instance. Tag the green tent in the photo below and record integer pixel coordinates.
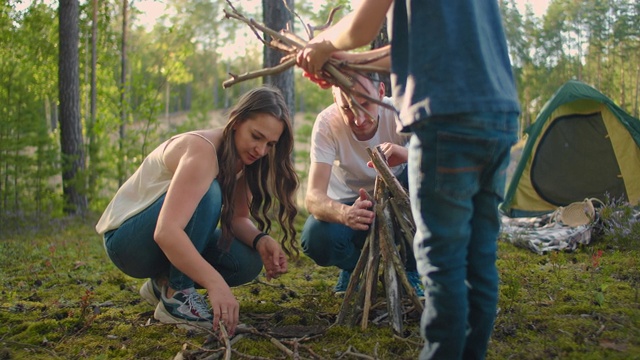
(580, 146)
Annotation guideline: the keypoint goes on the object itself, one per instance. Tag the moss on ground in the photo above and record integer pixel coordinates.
(62, 298)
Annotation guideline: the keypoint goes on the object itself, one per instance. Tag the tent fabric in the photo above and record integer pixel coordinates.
(581, 145)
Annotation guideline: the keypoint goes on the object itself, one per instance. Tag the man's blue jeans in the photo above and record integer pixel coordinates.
(132, 248)
(332, 244)
(457, 174)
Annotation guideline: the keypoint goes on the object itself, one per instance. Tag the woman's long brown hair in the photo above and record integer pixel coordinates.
(271, 174)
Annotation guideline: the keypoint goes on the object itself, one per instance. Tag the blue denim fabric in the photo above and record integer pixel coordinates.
(133, 250)
(457, 174)
(449, 57)
(332, 244)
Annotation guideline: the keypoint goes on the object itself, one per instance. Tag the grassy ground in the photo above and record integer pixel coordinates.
(62, 298)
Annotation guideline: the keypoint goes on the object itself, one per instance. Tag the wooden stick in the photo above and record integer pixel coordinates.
(405, 221)
(394, 186)
(346, 306)
(394, 258)
(394, 305)
(255, 74)
(371, 277)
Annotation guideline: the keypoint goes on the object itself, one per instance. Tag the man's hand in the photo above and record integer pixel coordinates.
(359, 216)
(394, 153)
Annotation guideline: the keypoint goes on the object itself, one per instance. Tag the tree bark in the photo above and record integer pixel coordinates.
(123, 81)
(381, 40)
(277, 16)
(92, 146)
(71, 143)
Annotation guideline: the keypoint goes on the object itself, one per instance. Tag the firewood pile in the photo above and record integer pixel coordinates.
(384, 251)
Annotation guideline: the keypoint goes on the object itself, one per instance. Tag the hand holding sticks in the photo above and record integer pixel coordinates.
(336, 72)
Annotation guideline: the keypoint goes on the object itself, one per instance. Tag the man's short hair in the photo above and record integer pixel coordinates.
(374, 77)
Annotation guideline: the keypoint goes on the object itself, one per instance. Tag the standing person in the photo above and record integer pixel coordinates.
(161, 224)
(339, 179)
(454, 87)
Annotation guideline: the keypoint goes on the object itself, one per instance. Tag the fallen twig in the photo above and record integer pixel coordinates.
(250, 357)
(225, 338)
(351, 351)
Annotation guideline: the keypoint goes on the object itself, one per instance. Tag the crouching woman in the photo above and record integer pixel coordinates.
(162, 224)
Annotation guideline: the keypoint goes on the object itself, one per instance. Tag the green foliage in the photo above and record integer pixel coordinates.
(621, 224)
(28, 154)
(175, 70)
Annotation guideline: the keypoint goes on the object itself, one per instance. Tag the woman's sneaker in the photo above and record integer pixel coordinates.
(187, 308)
(150, 291)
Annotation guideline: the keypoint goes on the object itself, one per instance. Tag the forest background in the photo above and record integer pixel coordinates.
(150, 82)
(71, 133)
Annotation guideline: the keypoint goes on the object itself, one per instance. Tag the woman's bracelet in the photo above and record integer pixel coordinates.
(257, 238)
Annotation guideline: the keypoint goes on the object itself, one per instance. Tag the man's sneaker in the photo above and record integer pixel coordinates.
(150, 291)
(416, 283)
(187, 308)
(343, 282)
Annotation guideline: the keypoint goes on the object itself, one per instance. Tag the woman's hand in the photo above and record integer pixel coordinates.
(273, 258)
(225, 307)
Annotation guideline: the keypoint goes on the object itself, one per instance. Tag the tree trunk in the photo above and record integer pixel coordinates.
(381, 40)
(123, 82)
(70, 127)
(92, 148)
(277, 16)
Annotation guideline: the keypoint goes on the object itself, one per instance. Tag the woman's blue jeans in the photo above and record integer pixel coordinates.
(457, 174)
(132, 248)
(333, 244)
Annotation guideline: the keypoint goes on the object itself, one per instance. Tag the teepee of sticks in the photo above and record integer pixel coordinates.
(384, 251)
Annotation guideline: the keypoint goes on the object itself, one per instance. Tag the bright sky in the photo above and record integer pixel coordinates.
(152, 9)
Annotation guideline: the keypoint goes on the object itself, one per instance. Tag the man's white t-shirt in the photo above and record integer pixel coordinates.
(333, 143)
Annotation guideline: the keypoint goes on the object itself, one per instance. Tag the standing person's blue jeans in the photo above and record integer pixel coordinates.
(132, 248)
(457, 174)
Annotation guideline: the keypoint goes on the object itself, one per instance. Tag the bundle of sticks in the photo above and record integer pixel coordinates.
(336, 72)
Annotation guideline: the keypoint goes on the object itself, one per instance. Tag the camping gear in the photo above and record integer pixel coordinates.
(577, 213)
(580, 146)
(545, 233)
